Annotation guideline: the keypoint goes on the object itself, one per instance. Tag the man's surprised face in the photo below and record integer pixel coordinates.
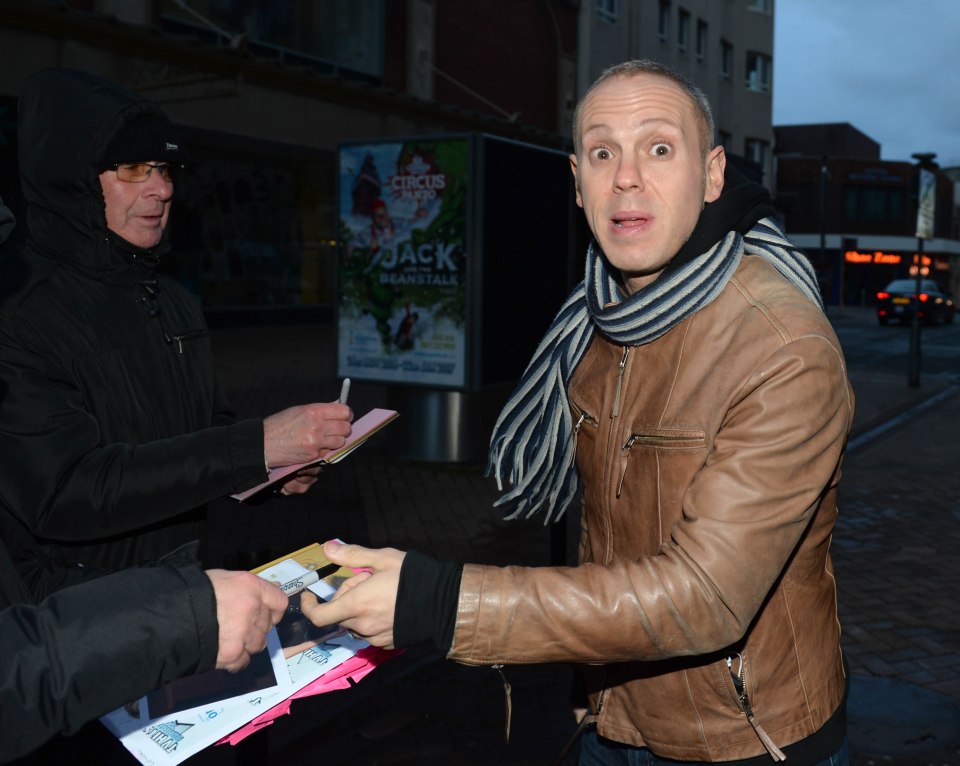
(641, 179)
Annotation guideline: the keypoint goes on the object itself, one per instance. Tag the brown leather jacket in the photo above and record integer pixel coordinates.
(709, 459)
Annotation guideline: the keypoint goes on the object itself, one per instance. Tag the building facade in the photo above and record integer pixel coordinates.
(855, 215)
(267, 92)
(724, 46)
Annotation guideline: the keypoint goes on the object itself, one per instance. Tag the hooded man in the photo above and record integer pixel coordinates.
(52, 654)
(115, 430)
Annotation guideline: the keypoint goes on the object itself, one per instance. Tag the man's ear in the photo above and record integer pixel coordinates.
(716, 165)
(576, 178)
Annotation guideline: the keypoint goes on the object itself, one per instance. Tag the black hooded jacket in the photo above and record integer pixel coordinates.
(113, 429)
(75, 656)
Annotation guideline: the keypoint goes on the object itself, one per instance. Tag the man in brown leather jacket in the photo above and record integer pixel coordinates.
(695, 391)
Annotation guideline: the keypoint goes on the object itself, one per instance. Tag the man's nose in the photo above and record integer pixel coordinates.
(157, 186)
(629, 175)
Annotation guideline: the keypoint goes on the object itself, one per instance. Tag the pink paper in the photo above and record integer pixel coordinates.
(341, 677)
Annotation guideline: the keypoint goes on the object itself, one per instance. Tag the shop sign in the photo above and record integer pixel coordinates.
(878, 256)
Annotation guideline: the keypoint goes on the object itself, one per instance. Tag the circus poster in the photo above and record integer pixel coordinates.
(402, 282)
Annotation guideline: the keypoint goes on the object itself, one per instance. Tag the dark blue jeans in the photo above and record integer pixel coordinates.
(597, 751)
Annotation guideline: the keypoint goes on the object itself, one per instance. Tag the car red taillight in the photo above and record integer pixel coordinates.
(882, 296)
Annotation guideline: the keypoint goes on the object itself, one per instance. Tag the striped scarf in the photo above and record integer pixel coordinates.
(532, 445)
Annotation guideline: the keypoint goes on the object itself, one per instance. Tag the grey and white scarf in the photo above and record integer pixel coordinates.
(532, 446)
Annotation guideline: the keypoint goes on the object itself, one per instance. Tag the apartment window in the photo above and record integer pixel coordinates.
(757, 150)
(683, 29)
(759, 67)
(763, 6)
(663, 20)
(726, 60)
(607, 10)
(701, 40)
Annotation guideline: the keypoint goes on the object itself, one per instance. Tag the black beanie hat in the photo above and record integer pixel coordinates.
(148, 138)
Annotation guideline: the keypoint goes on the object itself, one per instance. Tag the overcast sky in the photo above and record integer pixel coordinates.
(891, 68)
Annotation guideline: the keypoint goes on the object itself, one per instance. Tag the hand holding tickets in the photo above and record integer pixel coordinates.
(365, 603)
(247, 607)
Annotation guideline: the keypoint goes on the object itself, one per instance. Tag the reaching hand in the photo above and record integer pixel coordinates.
(305, 433)
(365, 603)
(247, 607)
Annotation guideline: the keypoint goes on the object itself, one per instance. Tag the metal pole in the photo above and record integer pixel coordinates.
(913, 364)
(824, 175)
(925, 210)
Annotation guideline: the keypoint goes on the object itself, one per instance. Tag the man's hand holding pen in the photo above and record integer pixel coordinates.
(302, 434)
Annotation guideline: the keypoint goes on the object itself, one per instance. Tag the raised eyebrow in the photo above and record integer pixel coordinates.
(594, 127)
(666, 126)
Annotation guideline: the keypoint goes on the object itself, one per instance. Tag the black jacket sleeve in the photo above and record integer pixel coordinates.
(65, 483)
(90, 648)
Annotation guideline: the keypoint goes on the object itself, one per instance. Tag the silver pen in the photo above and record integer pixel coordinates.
(344, 391)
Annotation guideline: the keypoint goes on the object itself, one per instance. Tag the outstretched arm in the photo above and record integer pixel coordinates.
(398, 600)
(92, 647)
(77, 480)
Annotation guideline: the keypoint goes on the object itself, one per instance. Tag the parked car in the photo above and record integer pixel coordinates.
(896, 302)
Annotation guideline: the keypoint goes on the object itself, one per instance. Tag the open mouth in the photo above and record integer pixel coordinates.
(629, 222)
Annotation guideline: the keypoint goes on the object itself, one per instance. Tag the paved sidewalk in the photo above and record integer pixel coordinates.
(896, 555)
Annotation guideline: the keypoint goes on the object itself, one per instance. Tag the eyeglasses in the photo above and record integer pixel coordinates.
(138, 172)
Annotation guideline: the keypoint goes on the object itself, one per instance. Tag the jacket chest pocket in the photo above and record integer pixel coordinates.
(659, 448)
(650, 474)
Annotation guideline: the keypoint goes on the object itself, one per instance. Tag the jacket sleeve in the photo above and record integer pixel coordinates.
(64, 484)
(744, 514)
(90, 648)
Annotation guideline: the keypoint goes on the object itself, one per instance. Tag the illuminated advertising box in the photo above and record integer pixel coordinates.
(454, 253)
(403, 261)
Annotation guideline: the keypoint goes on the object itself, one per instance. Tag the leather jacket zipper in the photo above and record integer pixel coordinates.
(584, 416)
(740, 684)
(616, 398)
(508, 701)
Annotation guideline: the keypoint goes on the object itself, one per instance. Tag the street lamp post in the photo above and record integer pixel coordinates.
(926, 199)
(824, 180)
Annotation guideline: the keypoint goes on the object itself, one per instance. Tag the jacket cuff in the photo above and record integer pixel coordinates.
(427, 598)
(245, 446)
(203, 602)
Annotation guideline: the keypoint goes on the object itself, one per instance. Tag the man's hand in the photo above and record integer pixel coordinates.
(365, 603)
(247, 607)
(305, 433)
(301, 481)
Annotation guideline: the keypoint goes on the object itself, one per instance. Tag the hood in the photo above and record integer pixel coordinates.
(7, 222)
(66, 121)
